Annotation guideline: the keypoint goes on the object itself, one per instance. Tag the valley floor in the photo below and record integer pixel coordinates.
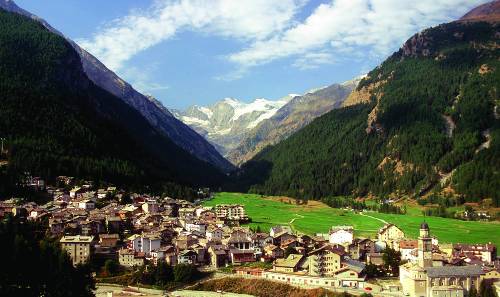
(316, 217)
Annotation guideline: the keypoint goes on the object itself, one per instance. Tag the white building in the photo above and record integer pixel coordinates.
(214, 234)
(144, 243)
(86, 204)
(341, 235)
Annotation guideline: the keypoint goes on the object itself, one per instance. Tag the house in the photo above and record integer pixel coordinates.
(130, 258)
(261, 239)
(144, 243)
(360, 248)
(279, 229)
(108, 240)
(282, 236)
(73, 193)
(113, 224)
(214, 233)
(196, 226)
(486, 252)
(151, 207)
(391, 234)
(273, 252)
(288, 265)
(341, 235)
(187, 257)
(238, 256)
(408, 249)
(241, 240)
(325, 260)
(184, 241)
(218, 256)
(78, 248)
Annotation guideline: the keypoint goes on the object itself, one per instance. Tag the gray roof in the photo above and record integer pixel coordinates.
(461, 271)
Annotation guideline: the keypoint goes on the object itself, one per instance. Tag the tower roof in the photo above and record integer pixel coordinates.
(424, 226)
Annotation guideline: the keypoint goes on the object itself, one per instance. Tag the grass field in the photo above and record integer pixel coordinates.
(318, 218)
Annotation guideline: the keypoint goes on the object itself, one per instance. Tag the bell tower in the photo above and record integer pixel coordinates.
(424, 247)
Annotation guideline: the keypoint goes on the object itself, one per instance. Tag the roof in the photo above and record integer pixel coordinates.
(424, 226)
(474, 247)
(454, 271)
(77, 238)
(292, 261)
(387, 226)
(408, 244)
(341, 228)
(355, 265)
(107, 236)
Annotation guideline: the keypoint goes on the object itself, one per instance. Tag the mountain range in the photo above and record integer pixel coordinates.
(226, 122)
(424, 122)
(240, 130)
(156, 114)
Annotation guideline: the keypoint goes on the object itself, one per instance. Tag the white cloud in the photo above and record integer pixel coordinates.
(375, 26)
(251, 20)
(141, 78)
(313, 60)
(359, 29)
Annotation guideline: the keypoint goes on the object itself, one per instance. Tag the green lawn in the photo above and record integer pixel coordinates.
(267, 213)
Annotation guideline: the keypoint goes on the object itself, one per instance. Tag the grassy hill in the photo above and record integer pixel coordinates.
(57, 122)
(426, 121)
(266, 211)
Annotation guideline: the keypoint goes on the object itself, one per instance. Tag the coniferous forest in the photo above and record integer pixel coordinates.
(399, 142)
(55, 121)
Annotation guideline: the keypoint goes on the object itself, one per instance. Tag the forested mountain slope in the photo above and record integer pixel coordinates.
(426, 120)
(58, 122)
(150, 108)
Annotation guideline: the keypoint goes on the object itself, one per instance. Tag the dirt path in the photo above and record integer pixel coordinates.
(365, 215)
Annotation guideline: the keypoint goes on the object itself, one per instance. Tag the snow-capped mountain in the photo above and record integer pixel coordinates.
(290, 118)
(150, 108)
(225, 122)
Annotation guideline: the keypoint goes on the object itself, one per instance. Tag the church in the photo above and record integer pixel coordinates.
(421, 279)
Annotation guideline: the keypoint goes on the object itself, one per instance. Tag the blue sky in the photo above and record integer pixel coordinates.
(187, 52)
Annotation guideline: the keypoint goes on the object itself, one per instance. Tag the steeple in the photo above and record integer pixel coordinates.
(424, 246)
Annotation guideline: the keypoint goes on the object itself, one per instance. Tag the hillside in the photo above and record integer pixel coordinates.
(427, 122)
(150, 108)
(225, 122)
(290, 118)
(56, 121)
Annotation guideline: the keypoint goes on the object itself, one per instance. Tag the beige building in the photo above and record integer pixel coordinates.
(421, 279)
(130, 258)
(390, 234)
(78, 247)
(324, 261)
(230, 211)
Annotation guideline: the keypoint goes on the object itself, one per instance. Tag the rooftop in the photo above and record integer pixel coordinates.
(77, 238)
(454, 271)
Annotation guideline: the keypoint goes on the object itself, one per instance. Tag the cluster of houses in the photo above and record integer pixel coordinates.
(151, 229)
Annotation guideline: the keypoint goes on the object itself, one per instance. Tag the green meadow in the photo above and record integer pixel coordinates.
(318, 218)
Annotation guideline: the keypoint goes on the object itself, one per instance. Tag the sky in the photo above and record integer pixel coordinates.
(186, 52)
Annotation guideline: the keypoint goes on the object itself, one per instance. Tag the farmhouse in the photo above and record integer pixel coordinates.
(390, 234)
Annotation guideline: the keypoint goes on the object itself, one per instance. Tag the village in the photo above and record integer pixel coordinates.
(138, 229)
